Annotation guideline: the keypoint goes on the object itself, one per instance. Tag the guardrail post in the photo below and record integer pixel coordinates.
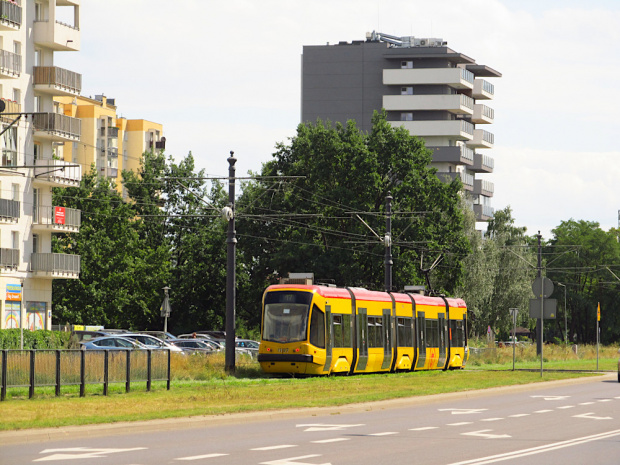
(4, 371)
(32, 377)
(106, 371)
(57, 373)
(168, 382)
(82, 373)
(148, 370)
(128, 382)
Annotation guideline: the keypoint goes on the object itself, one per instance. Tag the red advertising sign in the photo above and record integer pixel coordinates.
(59, 215)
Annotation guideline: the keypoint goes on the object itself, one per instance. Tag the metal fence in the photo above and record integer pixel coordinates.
(57, 368)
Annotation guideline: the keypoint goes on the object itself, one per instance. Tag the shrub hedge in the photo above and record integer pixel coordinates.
(40, 339)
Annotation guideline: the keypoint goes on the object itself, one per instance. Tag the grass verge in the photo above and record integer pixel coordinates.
(232, 395)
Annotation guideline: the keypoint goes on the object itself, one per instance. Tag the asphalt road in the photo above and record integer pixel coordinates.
(576, 422)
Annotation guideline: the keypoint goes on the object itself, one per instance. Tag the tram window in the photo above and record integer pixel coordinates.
(432, 333)
(458, 336)
(317, 328)
(337, 331)
(375, 331)
(346, 330)
(404, 332)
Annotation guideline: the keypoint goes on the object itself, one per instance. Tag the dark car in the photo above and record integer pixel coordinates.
(194, 346)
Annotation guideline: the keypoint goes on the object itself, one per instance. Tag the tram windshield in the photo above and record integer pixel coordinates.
(286, 316)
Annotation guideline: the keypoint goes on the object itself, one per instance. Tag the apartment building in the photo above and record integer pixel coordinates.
(33, 127)
(109, 143)
(436, 93)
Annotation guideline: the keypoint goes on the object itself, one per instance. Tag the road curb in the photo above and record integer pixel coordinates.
(112, 429)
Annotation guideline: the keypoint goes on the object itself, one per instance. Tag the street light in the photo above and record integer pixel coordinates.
(565, 318)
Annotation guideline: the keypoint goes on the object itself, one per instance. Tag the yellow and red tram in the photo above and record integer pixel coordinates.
(322, 330)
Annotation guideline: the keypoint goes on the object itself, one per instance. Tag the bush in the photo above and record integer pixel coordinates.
(40, 339)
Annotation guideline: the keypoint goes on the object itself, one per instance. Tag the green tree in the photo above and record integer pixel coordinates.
(313, 223)
(119, 276)
(586, 259)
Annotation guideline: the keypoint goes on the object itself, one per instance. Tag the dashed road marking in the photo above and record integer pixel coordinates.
(566, 406)
(283, 446)
(424, 428)
(198, 457)
(586, 403)
(389, 433)
(327, 441)
(543, 411)
(483, 433)
(461, 423)
(518, 415)
(492, 419)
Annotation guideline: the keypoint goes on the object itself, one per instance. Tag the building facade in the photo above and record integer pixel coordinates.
(33, 126)
(434, 92)
(108, 143)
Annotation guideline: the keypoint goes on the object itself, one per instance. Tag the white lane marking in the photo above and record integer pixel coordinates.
(492, 419)
(483, 433)
(590, 415)
(326, 441)
(566, 406)
(618, 397)
(387, 433)
(538, 450)
(518, 415)
(462, 411)
(424, 428)
(461, 423)
(552, 397)
(73, 453)
(604, 400)
(198, 457)
(283, 446)
(543, 411)
(293, 461)
(586, 403)
(322, 427)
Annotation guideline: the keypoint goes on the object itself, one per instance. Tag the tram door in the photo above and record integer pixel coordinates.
(387, 338)
(443, 340)
(362, 337)
(421, 340)
(329, 337)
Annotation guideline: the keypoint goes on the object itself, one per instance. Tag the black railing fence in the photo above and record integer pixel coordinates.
(57, 368)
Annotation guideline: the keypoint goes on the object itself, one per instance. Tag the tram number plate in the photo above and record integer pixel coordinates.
(282, 351)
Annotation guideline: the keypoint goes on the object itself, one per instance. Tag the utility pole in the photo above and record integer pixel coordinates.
(539, 321)
(565, 317)
(231, 277)
(388, 243)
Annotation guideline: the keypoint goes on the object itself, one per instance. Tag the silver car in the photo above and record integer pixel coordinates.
(152, 342)
(111, 343)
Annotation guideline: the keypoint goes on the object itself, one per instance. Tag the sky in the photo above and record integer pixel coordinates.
(226, 75)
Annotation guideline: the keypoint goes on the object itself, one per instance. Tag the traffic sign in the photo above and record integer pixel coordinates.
(550, 307)
(542, 286)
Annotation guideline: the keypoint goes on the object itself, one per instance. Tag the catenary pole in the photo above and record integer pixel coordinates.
(388, 243)
(231, 242)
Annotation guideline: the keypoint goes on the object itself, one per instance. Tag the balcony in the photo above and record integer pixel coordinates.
(483, 90)
(112, 132)
(466, 178)
(57, 219)
(453, 129)
(57, 173)
(10, 64)
(482, 114)
(456, 78)
(109, 172)
(483, 163)
(10, 107)
(10, 16)
(483, 187)
(56, 127)
(483, 212)
(9, 211)
(57, 81)
(55, 265)
(9, 258)
(482, 139)
(459, 155)
(57, 36)
(455, 103)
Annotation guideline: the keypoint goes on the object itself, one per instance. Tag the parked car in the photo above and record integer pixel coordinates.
(249, 345)
(193, 346)
(152, 342)
(111, 343)
(88, 335)
(163, 335)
